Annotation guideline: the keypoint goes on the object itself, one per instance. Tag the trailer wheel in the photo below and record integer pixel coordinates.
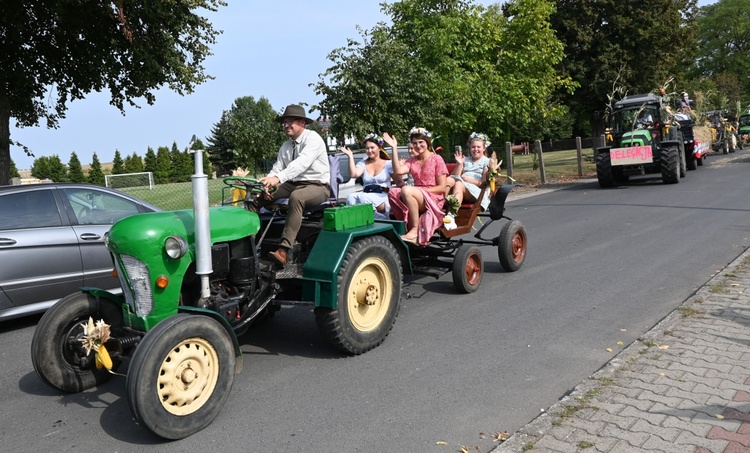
(691, 162)
(181, 375)
(468, 269)
(699, 160)
(604, 170)
(57, 352)
(511, 247)
(670, 165)
(369, 292)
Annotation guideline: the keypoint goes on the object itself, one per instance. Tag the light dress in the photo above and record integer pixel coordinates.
(474, 169)
(382, 179)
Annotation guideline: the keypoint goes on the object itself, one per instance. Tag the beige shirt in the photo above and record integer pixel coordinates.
(309, 163)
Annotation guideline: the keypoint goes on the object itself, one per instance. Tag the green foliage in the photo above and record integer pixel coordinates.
(149, 162)
(724, 47)
(133, 163)
(129, 48)
(450, 66)
(635, 44)
(75, 171)
(118, 166)
(96, 175)
(245, 135)
(182, 165)
(13, 170)
(162, 169)
(50, 168)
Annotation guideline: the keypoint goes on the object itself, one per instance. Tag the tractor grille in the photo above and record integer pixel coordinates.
(136, 286)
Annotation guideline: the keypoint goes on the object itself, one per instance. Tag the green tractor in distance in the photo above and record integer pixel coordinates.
(743, 130)
(642, 139)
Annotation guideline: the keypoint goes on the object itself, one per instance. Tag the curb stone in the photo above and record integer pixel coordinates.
(543, 429)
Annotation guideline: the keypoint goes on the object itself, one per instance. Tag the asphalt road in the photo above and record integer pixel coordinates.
(603, 267)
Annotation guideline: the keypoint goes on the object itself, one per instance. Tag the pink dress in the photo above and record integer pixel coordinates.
(424, 177)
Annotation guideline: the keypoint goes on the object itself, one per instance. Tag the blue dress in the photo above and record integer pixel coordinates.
(474, 169)
(382, 179)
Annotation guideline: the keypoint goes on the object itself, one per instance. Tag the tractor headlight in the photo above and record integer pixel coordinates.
(176, 247)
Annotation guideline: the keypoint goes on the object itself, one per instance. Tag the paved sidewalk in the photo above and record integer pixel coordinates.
(682, 387)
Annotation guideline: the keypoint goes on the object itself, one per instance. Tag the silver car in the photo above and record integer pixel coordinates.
(52, 242)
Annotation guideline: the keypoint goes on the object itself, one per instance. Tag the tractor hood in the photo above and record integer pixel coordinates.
(144, 234)
(638, 137)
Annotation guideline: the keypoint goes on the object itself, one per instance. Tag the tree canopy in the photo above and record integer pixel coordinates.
(637, 44)
(55, 51)
(447, 65)
(245, 135)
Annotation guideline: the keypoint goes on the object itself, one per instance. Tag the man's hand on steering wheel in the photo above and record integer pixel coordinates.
(269, 184)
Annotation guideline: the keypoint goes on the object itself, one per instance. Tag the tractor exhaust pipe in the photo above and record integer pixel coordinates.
(202, 223)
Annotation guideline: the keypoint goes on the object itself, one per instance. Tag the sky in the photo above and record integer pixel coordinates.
(267, 49)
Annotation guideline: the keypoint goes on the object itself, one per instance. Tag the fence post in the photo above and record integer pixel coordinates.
(579, 156)
(509, 159)
(538, 150)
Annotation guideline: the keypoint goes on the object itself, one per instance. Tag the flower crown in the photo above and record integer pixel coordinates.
(375, 138)
(419, 131)
(480, 136)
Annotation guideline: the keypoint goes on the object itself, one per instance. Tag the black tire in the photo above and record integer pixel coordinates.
(57, 353)
(604, 170)
(699, 161)
(670, 165)
(619, 176)
(683, 163)
(691, 162)
(181, 375)
(468, 269)
(369, 295)
(512, 245)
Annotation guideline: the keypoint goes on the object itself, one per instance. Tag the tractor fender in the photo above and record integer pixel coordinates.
(320, 271)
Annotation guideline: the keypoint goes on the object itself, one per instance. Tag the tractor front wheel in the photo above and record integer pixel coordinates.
(369, 292)
(604, 170)
(181, 375)
(57, 351)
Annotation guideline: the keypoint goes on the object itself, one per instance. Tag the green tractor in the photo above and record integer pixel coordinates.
(193, 280)
(643, 139)
(743, 130)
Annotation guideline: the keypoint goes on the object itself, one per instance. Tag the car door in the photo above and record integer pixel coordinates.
(95, 211)
(40, 260)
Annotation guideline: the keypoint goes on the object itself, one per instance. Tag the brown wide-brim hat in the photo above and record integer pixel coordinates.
(294, 111)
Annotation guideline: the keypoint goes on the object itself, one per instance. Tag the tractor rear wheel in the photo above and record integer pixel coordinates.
(369, 293)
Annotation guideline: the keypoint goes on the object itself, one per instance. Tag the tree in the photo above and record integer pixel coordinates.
(56, 51)
(118, 167)
(133, 163)
(96, 175)
(448, 65)
(149, 162)
(724, 46)
(637, 44)
(75, 171)
(13, 170)
(163, 166)
(246, 134)
(181, 168)
(50, 168)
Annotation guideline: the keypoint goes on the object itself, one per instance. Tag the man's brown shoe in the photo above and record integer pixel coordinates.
(279, 256)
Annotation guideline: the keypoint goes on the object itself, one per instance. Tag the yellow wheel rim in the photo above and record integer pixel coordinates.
(187, 376)
(369, 294)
